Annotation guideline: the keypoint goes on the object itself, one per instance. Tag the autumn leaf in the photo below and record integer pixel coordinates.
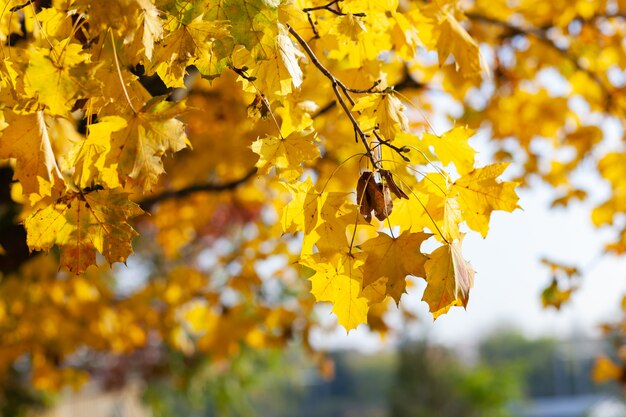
(384, 112)
(285, 154)
(373, 196)
(26, 139)
(83, 223)
(339, 282)
(87, 158)
(152, 26)
(184, 46)
(289, 55)
(449, 279)
(480, 193)
(605, 370)
(59, 76)
(453, 147)
(137, 149)
(335, 215)
(302, 211)
(393, 259)
(452, 39)
(253, 24)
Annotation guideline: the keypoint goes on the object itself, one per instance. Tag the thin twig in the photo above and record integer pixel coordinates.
(400, 151)
(328, 7)
(336, 85)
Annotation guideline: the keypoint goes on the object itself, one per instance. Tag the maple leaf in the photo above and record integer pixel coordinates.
(336, 213)
(449, 279)
(137, 148)
(26, 139)
(452, 147)
(339, 282)
(302, 211)
(382, 111)
(285, 154)
(289, 55)
(451, 38)
(322, 217)
(455, 40)
(605, 369)
(87, 158)
(393, 259)
(351, 26)
(253, 24)
(183, 46)
(279, 70)
(83, 223)
(480, 193)
(58, 76)
(152, 26)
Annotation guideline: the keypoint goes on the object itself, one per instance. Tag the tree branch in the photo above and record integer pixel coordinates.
(407, 82)
(328, 7)
(149, 202)
(336, 85)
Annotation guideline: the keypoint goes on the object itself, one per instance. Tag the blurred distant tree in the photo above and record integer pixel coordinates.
(430, 382)
(534, 360)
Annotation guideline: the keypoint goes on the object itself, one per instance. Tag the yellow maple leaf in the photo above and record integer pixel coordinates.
(321, 217)
(138, 148)
(152, 26)
(410, 214)
(351, 26)
(285, 154)
(26, 139)
(58, 76)
(393, 259)
(450, 38)
(300, 214)
(279, 72)
(453, 147)
(87, 157)
(338, 281)
(382, 111)
(449, 278)
(83, 223)
(335, 214)
(289, 55)
(432, 206)
(480, 192)
(183, 46)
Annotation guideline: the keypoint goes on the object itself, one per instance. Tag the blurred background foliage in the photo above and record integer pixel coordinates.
(505, 375)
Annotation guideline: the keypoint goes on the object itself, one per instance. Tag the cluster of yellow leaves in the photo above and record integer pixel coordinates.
(267, 96)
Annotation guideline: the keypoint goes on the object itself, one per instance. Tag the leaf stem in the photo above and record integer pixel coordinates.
(119, 74)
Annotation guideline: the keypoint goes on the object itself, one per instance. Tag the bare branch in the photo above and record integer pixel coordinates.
(327, 7)
(336, 85)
